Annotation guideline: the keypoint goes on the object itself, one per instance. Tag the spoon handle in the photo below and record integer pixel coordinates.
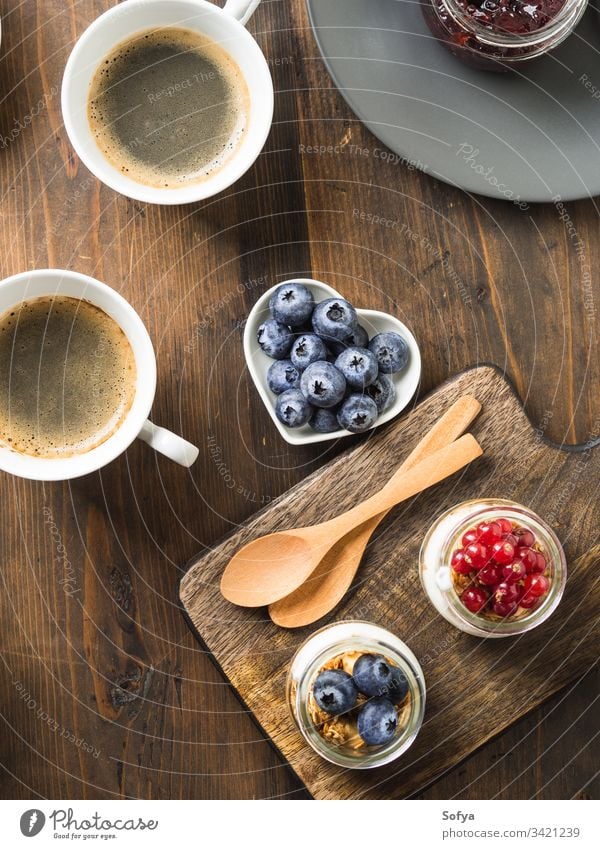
(446, 430)
(332, 578)
(433, 469)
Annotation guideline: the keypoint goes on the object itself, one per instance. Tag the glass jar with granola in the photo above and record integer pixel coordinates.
(357, 694)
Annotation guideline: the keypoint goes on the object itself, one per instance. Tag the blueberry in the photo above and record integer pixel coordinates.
(335, 691)
(306, 327)
(323, 385)
(373, 674)
(391, 351)
(307, 349)
(382, 391)
(359, 367)
(324, 421)
(334, 319)
(336, 346)
(399, 686)
(292, 408)
(283, 375)
(275, 339)
(377, 722)
(292, 303)
(357, 338)
(358, 413)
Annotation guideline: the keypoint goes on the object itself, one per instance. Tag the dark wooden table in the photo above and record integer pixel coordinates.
(104, 691)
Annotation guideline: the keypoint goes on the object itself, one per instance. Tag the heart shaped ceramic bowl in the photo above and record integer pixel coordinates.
(406, 382)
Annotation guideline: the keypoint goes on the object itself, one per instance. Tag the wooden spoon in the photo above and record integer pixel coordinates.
(332, 578)
(273, 566)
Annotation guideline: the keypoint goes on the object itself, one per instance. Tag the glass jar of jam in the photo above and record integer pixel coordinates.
(496, 35)
(327, 707)
(492, 568)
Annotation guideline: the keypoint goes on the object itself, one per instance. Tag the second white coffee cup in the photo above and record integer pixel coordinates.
(225, 26)
(51, 282)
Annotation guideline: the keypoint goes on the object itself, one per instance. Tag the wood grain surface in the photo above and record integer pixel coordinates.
(466, 677)
(104, 690)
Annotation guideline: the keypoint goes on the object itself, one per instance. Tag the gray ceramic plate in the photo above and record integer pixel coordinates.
(531, 135)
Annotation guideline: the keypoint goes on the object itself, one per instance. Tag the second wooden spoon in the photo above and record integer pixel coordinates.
(332, 578)
(271, 567)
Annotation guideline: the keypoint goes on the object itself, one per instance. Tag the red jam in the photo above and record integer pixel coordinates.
(512, 16)
(462, 26)
(500, 570)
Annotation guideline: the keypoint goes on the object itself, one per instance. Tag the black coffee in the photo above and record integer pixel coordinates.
(67, 377)
(168, 107)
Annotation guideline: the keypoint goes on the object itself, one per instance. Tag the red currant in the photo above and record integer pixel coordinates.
(503, 552)
(506, 593)
(461, 563)
(525, 536)
(490, 575)
(474, 599)
(505, 525)
(504, 609)
(489, 533)
(536, 585)
(478, 553)
(528, 601)
(514, 571)
(512, 539)
(469, 537)
(540, 566)
(528, 557)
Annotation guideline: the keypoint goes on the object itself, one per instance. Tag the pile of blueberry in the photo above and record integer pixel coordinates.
(327, 373)
(385, 686)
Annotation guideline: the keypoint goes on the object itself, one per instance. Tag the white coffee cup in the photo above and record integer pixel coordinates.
(225, 26)
(35, 284)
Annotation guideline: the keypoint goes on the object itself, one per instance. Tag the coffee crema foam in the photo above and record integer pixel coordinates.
(67, 377)
(168, 107)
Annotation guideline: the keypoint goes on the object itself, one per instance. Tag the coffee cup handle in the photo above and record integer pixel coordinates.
(242, 10)
(172, 446)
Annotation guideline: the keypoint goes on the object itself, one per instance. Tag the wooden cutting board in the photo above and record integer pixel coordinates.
(475, 688)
